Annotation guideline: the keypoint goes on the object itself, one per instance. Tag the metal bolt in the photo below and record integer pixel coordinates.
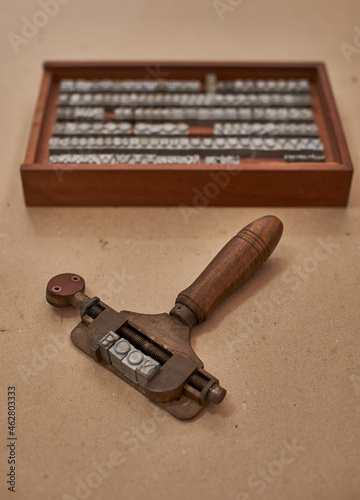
(216, 394)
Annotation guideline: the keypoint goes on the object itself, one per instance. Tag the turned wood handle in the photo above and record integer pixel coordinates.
(233, 265)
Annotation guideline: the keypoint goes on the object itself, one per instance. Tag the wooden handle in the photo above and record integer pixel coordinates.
(233, 265)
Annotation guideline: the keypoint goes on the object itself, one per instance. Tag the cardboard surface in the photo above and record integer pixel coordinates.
(285, 346)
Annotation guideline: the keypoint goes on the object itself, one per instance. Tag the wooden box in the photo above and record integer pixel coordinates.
(254, 182)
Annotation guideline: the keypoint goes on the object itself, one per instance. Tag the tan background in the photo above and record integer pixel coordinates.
(286, 346)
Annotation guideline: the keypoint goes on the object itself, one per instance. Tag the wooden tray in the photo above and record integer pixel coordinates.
(255, 182)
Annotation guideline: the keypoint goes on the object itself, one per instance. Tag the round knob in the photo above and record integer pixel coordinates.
(62, 288)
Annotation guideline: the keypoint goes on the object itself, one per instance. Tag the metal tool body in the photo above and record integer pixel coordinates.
(152, 352)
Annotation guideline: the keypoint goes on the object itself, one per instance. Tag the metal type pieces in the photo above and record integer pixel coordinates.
(222, 160)
(138, 85)
(164, 85)
(123, 114)
(143, 159)
(210, 83)
(130, 361)
(306, 158)
(143, 121)
(270, 129)
(105, 343)
(126, 158)
(184, 100)
(189, 144)
(72, 128)
(271, 86)
(216, 114)
(81, 113)
(161, 128)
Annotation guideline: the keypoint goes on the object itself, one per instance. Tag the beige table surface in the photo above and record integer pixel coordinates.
(286, 346)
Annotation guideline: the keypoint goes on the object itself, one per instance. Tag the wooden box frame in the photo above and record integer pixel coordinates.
(255, 182)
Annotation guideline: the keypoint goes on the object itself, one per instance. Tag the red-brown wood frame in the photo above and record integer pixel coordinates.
(255, 182)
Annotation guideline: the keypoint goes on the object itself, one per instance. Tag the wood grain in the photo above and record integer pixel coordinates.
(234, 264)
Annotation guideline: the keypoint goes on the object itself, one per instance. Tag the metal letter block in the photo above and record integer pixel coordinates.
(210, 83)
(304, 158)
(146, 370)
(131, 363)
(223, 160)
(105, 343)
(123, 113)
(118, 352)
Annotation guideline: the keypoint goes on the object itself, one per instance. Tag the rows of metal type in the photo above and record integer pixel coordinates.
(278, 86)
(296, 157)
(119, 128)
(154, 121)
(184, 99)
(190, 159)
(190, 144)
(127, 85)
(195, 115)
(270, 129)
(213, 114)
(162, 85)
(153, 159)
